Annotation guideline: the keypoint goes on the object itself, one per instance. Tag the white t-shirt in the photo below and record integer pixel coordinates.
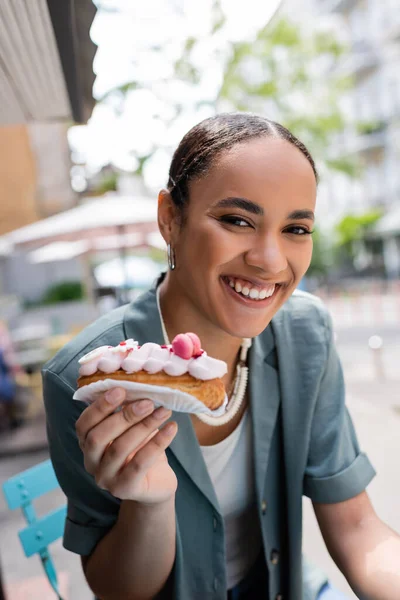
(230, 466)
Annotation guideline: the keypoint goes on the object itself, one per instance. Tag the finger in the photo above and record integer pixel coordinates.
(99, 437)
(148, 455)
(132, 454)
(98, 411)
(116, 455)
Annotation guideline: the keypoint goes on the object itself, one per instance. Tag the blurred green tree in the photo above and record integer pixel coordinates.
(352, 229)
(322, 257)
(285, 72)
(107, 184)
(63, 291)
(282, 73)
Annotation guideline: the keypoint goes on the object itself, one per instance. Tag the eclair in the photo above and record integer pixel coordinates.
(182, 365)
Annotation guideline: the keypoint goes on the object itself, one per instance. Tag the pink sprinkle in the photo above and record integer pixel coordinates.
(122, 343)
(164, 346)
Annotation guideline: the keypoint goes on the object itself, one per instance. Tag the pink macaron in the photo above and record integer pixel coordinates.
(197, 351)
(182, 345)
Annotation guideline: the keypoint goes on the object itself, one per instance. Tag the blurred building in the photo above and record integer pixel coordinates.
(34, 173)
(372, 105)
(46, 80)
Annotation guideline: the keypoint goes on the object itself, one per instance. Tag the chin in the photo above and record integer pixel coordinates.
(245, 330)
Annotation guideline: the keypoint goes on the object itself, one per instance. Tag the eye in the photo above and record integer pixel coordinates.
(298, 230)
(236, 221)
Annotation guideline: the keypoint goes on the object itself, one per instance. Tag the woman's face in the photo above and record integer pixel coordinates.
(246, 243)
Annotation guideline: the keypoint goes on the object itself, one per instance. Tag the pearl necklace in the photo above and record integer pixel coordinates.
(242, 375)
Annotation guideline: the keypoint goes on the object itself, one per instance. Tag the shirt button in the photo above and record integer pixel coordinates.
(263, 507)
(215, 524)
(274, 557)
(215, 584)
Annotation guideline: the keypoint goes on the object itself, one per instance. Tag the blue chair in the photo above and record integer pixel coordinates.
(19, 492)
(21, 489)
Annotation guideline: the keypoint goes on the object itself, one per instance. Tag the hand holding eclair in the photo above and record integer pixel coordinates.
(125, 450)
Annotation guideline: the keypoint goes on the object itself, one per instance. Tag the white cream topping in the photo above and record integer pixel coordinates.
(203, 367)
(176, 365)
(151, 358)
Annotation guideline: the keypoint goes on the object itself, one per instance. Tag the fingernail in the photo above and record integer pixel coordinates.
(114, 396)
(161, 412)
(168, 429)
(142, 406)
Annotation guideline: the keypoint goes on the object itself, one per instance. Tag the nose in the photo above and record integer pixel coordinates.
(268, 255)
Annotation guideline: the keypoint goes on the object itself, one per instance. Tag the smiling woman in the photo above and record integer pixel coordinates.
(213, 509)
(239, 208)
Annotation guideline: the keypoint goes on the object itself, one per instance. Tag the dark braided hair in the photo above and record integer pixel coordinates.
(205, 142)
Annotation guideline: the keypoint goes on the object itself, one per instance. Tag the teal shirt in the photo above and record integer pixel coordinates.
(304, 443)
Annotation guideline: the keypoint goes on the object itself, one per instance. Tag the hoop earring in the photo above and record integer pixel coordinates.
(171, 257)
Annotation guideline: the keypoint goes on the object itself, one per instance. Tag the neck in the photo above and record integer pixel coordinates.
(180, 315)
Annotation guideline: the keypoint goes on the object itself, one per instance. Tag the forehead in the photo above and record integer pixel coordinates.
(260, 169)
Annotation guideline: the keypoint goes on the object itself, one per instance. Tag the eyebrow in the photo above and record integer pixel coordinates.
(302, 214)
(233, 202)
(256, 209)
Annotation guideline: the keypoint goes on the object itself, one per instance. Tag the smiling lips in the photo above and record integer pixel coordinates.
(249, 290)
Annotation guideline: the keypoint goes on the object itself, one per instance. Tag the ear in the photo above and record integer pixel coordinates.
(168, 221)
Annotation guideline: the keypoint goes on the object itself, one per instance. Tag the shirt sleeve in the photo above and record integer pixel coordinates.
(91, 511)
(336, 468)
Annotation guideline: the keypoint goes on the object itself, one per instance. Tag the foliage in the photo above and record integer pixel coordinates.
(351, 168)
(350, 233)
(122, 89)
(331, 254)
(141, 161)
(276, 75)
(184, 69)
(107, 184)
(352, 228)
(64, 291)
(369, 127)
(322, 255)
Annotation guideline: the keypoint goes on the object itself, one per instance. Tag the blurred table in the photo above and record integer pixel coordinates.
(30, 346)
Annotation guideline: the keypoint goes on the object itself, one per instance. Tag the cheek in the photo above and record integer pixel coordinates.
(207, 245)
(300, 256)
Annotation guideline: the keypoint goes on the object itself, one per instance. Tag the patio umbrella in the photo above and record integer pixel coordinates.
(111, 214)
(102, 223)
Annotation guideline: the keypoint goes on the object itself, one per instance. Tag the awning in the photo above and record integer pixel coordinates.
(59, 251)
(108, 215)
(46, 58)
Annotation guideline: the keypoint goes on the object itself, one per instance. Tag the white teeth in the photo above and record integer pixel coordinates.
(271, 291)
(253, 293)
